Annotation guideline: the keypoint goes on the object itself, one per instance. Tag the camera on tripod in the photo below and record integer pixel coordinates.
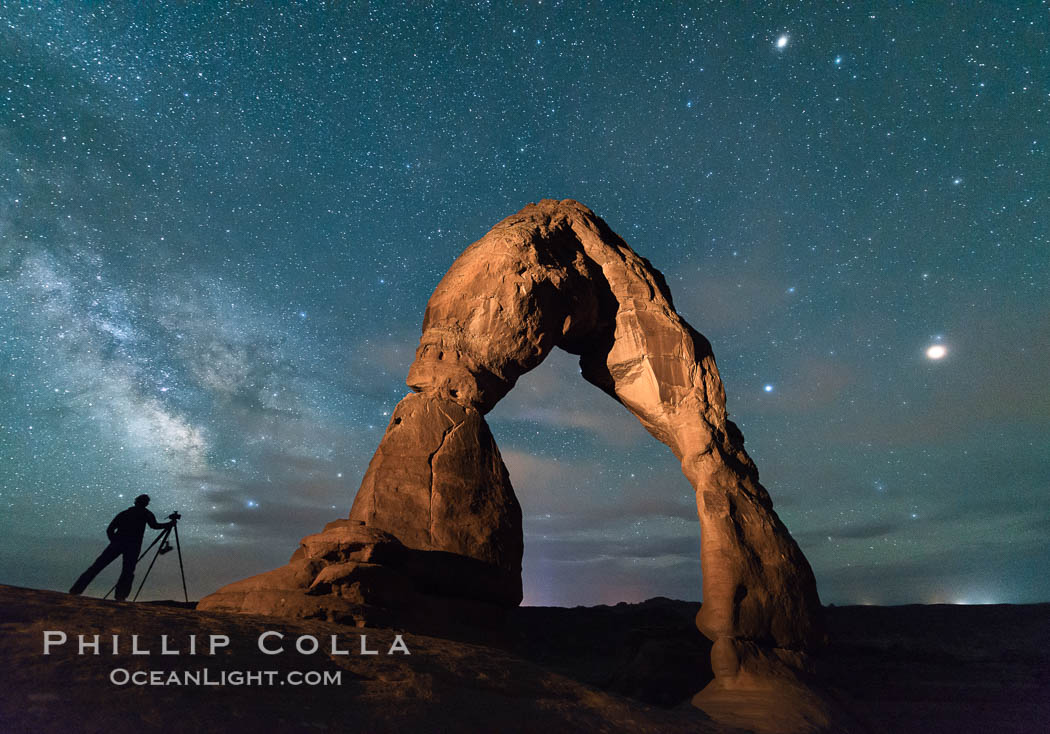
(163, 548)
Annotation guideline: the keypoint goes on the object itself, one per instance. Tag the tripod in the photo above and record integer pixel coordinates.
(165, 547)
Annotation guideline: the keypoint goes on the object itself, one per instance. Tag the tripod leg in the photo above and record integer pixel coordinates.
(178, 548)
(160, 536)
(141, 556)
(165, 534)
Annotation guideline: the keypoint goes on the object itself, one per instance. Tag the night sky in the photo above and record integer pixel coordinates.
(219, 227)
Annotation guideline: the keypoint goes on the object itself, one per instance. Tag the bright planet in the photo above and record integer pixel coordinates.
(937, 351)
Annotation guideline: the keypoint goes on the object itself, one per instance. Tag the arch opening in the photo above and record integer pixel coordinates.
(607, 515)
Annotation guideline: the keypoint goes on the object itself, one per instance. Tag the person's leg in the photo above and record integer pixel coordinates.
(103, 560)
(127, 572)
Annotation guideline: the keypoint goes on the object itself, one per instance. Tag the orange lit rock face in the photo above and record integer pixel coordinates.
(437, 482)
(554, 275)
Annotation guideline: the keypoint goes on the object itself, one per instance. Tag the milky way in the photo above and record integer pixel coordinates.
(219, 228)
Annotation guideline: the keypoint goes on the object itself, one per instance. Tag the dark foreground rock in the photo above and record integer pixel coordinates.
(630, 667)
(443, 686)
(942, 667)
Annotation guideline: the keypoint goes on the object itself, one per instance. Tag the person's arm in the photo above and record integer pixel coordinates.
(111, 531)
(152, 520)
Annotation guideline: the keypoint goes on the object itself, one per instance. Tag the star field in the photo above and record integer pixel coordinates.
(219, 227)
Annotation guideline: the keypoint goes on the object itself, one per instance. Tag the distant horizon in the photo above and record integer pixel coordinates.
(826, 605)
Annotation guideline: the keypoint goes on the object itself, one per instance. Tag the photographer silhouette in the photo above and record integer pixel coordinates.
(125, 539)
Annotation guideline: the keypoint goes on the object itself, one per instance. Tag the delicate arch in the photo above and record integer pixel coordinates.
(555, 275)
(436, 519)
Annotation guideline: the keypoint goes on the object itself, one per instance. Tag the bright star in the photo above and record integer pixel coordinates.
(782, 41)
(937, 351)
(768, 388)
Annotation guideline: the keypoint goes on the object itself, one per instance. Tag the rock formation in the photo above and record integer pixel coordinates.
(436, 513)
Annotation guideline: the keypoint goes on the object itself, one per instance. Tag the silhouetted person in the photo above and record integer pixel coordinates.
(125, 539)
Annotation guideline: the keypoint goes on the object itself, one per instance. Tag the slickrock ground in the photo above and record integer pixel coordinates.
(443, 686)
(625, 668)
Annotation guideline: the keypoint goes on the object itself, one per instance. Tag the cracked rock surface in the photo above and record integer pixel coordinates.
(437, 482)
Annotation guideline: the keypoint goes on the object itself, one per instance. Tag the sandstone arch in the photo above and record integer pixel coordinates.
(552, 275)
